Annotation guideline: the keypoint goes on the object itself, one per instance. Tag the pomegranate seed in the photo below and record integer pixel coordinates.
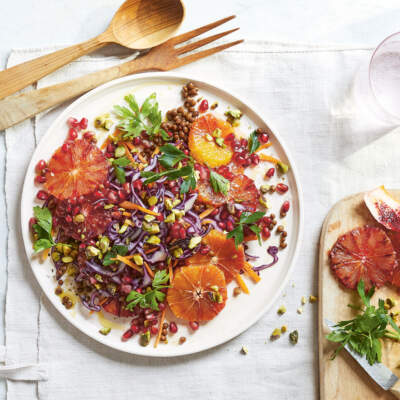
(40, 166)
(270, 173)
(42, 195)
(116, 214)
(126, 279)
(40, 179)
(224, 215)
(281, 188)
(127, 335)
(255, 158)
(263, 138)
(229, 226)
(172, 327)
(82, 246)
(266, 221)
(68, 218)
(83, 123)
(204, 249)
(112, 197)
(139, 290)
(203, 107)
(182, 233)
(98, 194)
(32, 221)
(285, 207)
(72, 134)
(65, 147)
(137, 185)
(137, 141)
(72, 122)
(265, 233)
(221, 225)
(110, 148)
(160, 217)
(76, 210)
(127, 187)
(121, 195)
(88, 135)
(194, 325)
(126, 289)
(239, 213)
(230, 137)
(243, 142)
(154, 330)
(161, 306)
(215, 212)
(135, 329)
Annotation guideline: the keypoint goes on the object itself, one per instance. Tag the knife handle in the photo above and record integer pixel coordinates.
(395, 390)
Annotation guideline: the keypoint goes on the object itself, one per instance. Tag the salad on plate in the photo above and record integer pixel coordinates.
(153, 224)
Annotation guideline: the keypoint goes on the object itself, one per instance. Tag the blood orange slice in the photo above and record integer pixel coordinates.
(384, 208)
(363, 253)
(78, 170)
(198, 293)
(223, 253)
(203, 145)
(244, 191)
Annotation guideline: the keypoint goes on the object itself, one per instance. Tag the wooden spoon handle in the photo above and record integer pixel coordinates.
(22, 106)
(22, 75)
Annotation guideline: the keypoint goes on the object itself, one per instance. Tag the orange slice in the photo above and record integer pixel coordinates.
(364, 253)
(77, 171)
(202, 144)
(384, 208)
(223, 254)
(198, 293)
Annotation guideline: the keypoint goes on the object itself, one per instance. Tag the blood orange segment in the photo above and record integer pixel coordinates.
(384, 208)
(244, 191)
(198, 293)
(77, 171)
(202, 144)
(364, 253)
(223, 253)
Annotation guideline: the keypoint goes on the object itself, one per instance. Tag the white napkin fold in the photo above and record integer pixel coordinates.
(304, 92)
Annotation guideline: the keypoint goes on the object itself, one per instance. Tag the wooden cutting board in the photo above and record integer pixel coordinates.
(343, 378)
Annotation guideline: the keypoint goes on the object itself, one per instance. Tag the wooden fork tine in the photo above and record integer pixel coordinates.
(202, 42)
(205, 53)
(196, 32)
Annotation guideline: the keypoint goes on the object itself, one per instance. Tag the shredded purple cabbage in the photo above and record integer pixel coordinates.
(272, 251)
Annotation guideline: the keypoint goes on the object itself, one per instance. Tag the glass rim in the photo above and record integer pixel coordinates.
(377, 48)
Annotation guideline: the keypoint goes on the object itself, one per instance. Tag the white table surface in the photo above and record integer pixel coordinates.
(28, 24)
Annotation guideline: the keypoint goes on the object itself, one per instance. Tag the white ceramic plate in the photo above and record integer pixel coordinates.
(240, 312)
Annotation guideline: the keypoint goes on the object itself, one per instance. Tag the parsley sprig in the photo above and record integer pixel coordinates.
(150, 298)
(363, 333)
(43, 229)
(118, 164)
(134, 119)
(119, 249)
(170, 156)
(248, 219)
(219, 183)
(254, 143)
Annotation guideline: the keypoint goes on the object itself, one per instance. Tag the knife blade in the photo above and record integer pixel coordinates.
(381, 374)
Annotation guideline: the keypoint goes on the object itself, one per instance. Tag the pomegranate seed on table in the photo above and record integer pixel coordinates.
(285, 206)
(72, 134)
(40, 166)
(270, 173)
(203, 107)
(83, 123)
(194, 325)
(42, 195)
(173, 327)
(281, 188)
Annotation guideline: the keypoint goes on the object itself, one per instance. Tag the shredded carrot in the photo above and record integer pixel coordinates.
(45, 254)
(250, 273)
(264, 146)
(101, 302)
(127, 262)
(171, 272)
(132, 206)
(241, 283)
(106, 143)
(206, 212)
(265, 157)
(160, 329)
(156, 151)
(130, 145)
(141, 158)
(128, 153)
(149, 251)
(126, 214)
(207, 221)
(148, 269)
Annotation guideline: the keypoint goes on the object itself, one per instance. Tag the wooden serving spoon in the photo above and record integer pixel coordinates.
(138, 24)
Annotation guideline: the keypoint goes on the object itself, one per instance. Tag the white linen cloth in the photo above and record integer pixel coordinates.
(305, 92)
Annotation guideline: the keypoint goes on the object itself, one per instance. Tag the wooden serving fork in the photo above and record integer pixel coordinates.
(17, 108)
